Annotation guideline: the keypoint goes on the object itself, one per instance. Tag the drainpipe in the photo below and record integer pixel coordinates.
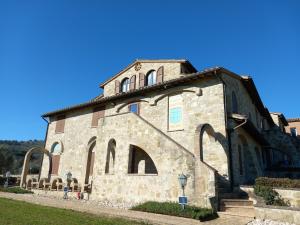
(45, 139)
(228, 131)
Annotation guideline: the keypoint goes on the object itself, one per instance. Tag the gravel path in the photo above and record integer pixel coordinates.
(267, 222)
(92, 207)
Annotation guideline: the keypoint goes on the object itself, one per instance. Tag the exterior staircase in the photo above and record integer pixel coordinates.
(236, 204)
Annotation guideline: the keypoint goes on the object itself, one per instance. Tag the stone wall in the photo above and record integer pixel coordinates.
(171, 71)
(252, 159)
(281, 214)
(202, 103)
(295, 124)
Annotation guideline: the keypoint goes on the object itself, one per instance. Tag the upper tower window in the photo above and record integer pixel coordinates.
(151, 78)
(125, 85)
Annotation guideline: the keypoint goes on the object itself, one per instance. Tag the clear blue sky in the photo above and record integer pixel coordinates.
(55, 53)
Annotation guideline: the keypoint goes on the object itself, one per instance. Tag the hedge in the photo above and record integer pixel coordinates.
(11, 180)
(16, 190)
(278, 182)
(174, 209)
(270, 196)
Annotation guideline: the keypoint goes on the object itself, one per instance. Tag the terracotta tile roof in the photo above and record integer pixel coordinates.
(293, 120)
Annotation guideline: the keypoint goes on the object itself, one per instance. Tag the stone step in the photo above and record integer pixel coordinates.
(238, 211)
(235, 202)
(233, 195)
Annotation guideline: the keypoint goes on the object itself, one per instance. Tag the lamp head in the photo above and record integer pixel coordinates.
(182, 180)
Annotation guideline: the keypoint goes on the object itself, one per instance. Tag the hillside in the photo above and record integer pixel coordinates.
(12, 155)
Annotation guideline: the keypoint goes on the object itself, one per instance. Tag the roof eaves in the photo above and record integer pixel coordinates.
(165, 84)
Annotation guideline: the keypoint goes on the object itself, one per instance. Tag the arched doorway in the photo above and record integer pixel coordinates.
(26, 163)
(110, 157)
(90, 161)
(211, 150)
(140, 162)
(249, 167)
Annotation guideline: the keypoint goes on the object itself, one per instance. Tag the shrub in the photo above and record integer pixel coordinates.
(278, 182)
(174, 209)
(270, 196)
(16, 190)
(11, 180)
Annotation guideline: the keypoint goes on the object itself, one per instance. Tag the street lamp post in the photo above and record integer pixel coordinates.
(7, 175)
(182, 181)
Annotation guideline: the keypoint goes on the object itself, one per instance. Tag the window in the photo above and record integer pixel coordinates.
(294, 131)
(110, 157)
(98, 113)
(125, 85)
(151, 78)
(240, 160)
(56, 150)
(60, 124)
(175, 113)
(234, 103)
(250, 117)
(134, 107)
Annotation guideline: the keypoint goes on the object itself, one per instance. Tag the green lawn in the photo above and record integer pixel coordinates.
(22, 213)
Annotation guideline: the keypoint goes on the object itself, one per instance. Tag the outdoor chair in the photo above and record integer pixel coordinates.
(74, 186)
(57, 184)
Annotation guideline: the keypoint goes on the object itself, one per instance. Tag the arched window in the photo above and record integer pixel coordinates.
(151, 78)
(125, 85)
(56, 150)
(234, 103)
(258, 155)
(140, 162)
(240, 160)
(90, 160)
(110, 157)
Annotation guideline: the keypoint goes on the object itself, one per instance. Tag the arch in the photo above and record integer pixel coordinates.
(151, 78)
(250, 170)
(125, 84)
(27, 159)
(234, 103)
(57, 148)
(154, 101)
(90, 157)
(140, 162)
(110, 156)
(128, 103)
(56, 151)
(210, 149)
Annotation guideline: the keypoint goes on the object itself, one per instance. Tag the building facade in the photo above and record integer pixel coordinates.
(157, 119)
(293, 127)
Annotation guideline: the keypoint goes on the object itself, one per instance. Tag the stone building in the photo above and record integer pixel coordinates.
(293, 127)
(155, 120)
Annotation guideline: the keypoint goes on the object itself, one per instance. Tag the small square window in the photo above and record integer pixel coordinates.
(175, 115)
(294, 131)
(134, 108)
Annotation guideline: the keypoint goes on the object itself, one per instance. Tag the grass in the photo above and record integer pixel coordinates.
(16, 190)
(21, 213)
(174, 209)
